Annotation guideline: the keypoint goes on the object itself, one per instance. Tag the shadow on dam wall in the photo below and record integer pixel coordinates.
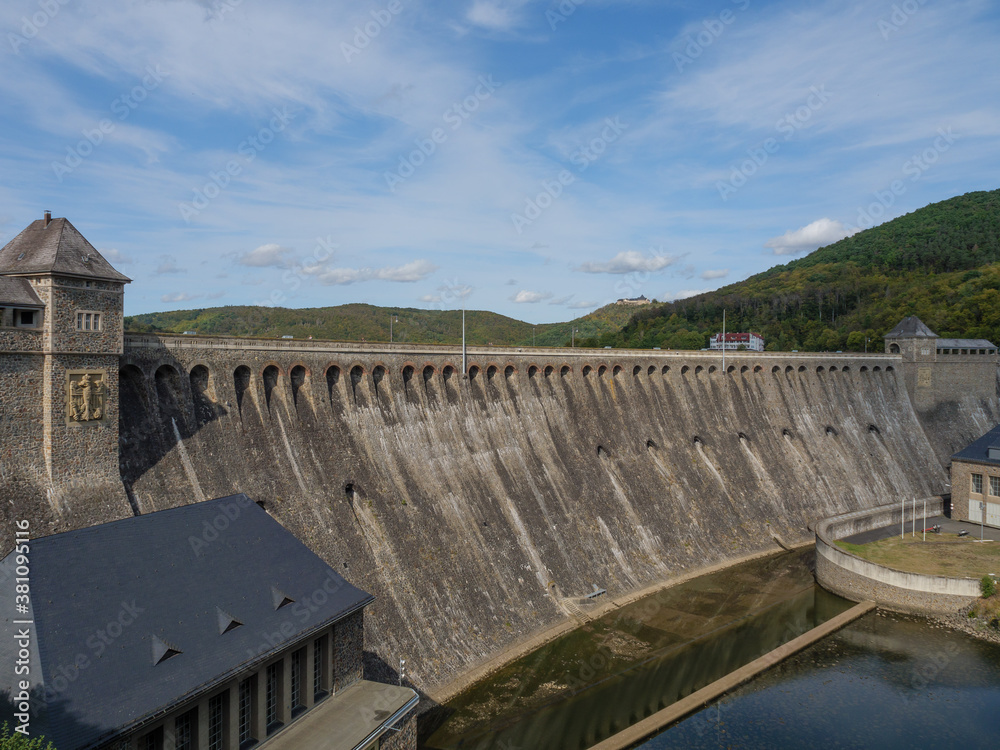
(474, 508)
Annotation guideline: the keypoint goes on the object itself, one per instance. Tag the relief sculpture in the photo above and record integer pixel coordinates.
(86, 396)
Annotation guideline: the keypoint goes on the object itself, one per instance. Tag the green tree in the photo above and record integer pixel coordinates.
(11, 740)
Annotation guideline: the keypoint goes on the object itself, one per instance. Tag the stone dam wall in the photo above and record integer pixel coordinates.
(475, 509)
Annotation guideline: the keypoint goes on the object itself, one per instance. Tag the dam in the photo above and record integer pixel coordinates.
(480, 508)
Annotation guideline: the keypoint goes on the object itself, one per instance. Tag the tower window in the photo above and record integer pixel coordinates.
(88, 321)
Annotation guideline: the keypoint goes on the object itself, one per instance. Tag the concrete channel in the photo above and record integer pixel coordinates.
(661, 719)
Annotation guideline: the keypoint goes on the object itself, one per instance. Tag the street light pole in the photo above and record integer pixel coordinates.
(392, 319)
(572, 338)
(723, 340)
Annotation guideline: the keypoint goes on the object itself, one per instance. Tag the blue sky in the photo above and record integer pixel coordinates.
(538, 158)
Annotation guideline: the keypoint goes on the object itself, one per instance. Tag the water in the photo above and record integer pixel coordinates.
(883, 682)
(612, 672)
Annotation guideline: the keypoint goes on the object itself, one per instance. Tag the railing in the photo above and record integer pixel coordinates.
(135, 341)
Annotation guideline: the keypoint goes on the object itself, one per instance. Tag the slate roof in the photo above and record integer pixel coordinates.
(18, 293)
(978, 450)
(909, 328)
(123, 594)
(964, 344)
(56, 247)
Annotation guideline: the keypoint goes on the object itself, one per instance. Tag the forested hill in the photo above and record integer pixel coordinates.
(360, 322)
(941, 263)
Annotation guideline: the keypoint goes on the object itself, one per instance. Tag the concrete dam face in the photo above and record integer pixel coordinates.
(473, 507)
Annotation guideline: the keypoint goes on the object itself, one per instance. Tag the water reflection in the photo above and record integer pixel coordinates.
(616, 671)
(884, 681)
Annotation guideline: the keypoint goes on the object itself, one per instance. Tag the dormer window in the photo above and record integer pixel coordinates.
(88, 321)
(27, 318)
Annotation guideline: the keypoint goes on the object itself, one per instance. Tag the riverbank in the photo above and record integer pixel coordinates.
(600, 678)
(970, 626)
(446, 692)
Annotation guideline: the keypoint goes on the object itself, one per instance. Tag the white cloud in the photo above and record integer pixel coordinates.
(168, 264)
(430, 298)
(113, 255)
(416, 270)
(817, 234)
(527, 297)
(720, 273)
(629, 261)
(495, 15)
(179, 297)
(270, 255)
(683, 294)
(583, 305)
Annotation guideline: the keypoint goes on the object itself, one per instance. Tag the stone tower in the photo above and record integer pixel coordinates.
(917, 344)
(62, 308)
(912, 339)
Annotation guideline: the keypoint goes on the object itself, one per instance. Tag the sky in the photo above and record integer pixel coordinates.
(537, 158)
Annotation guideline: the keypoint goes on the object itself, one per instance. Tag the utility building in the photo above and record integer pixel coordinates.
(975, 481)
(203, 627)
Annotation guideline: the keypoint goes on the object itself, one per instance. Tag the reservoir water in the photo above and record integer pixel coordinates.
(885, 681)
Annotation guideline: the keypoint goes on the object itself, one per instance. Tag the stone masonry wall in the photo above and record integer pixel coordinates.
(348, 644)
(954, 395)
(67, 297)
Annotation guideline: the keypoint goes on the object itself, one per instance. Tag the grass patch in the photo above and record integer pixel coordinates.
(940, 555)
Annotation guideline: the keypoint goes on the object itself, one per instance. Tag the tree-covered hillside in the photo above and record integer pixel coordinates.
(941, 263)
(359, 322)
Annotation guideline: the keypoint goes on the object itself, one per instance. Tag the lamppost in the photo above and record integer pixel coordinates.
(392, 319)
(572, 338)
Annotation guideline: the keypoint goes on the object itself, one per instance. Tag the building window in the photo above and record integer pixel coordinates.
(272, 696)
(296, 696)
(995, 486)
(26, 318)
(977, 484)
(152, 741)
(88, 321)
(318, 656)
(184, 731)
(216, 716)
(246, 712)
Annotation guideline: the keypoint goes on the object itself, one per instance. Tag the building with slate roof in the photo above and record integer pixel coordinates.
(203, 627)
(934, 368)
(61, 334)
(975, 480)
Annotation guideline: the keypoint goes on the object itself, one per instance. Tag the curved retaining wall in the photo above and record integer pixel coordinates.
(860, 580)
